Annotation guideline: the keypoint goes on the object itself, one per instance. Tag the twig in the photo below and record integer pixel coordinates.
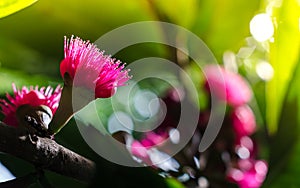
(45, 153)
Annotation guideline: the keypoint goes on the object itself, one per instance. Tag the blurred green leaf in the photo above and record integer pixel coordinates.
(8, 7)
(173, 183)
(288, 173)
(14, 55)
(44, 25)
(284, 54)
(223, 25)
(285, 145)
(8, 77)
(184, 15)
(197, 77)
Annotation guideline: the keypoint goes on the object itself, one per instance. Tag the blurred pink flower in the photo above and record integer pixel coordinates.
(140, 151)
(247, 146)
(88, 67)
(227, 86)
(243, 120)
(251, 175)
(32, 96)
(152, 139)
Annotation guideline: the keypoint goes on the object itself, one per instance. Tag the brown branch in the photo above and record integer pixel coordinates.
(45, 153)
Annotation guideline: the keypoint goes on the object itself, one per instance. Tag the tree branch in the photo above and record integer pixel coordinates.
(45, 153)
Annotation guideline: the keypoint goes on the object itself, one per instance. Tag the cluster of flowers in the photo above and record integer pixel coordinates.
(233, 153)
(243, 168)
(231, 157)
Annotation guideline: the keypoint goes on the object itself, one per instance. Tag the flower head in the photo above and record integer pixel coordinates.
(249, 174)
(227, 85)
(140, 151)
(243, 120)
(32, 96)
(88, 67)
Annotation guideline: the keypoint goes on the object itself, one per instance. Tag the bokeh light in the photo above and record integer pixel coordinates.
(261, 27)
(264, 70)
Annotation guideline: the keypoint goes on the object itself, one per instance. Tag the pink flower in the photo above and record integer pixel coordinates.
(152, 139)
(88, 67)
(32, 96)
(243, 121)
(250, 176)
(227, 86)
(245, 147)
(140, 151)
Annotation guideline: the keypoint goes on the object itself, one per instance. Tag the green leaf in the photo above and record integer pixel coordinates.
(184, 15)
(285, 145)
(223, 25)
(173, 183)
(87, 19)
(8, 7)
(20, 78)
(284, 54)
(287, 174)
(15, 56)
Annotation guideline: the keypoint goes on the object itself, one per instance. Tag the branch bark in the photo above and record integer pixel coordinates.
(45, 153)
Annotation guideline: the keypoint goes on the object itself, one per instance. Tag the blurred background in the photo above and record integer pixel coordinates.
(258, 39)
